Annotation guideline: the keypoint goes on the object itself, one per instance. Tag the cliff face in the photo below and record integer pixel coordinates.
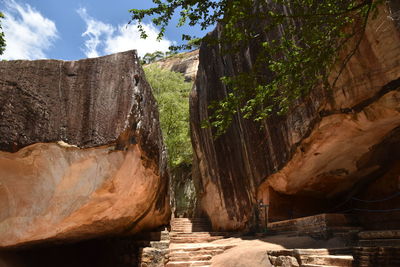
(185, 63)
(81, 152)
(324, 147)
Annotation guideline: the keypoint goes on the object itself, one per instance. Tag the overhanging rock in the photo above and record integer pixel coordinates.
(81, 151)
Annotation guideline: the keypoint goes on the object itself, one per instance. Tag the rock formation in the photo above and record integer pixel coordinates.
(185, 63)
(326, 147)
(183, 191)
(81, 151)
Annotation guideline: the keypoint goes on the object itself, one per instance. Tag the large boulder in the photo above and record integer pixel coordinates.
(81, 151)
(326, 146)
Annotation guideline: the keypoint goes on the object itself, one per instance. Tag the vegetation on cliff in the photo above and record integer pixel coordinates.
(155, 56)
(172, 94)
(308, 36)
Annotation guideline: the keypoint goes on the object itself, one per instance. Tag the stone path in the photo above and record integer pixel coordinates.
(190, 243)
(300, 242)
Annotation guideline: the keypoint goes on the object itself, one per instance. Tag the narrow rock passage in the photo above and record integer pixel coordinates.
(190, 243)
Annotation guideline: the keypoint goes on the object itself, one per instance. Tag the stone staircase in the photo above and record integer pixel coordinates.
(189, 243)
(189, 225)
(312, 257)
(378, 248)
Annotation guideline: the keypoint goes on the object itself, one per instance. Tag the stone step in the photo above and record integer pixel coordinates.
(201, 228)
(384, 234)
(193, 236)
(189, 222)
(204, 248)
(188, 263)
(378, 257)
(190, 225)
(333, 260)
(189, 219)
(324, 251)
(196, 233)
(195, 240)
(317, 265)
(206, 227)
(189, 230)
(197, 237)
(196, 253)
(379, 242)
(339, 229)
(378, 254)
(202, 257)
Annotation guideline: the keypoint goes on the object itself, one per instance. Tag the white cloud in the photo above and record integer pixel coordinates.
(96, 32)
(27, 32)
(105, 38)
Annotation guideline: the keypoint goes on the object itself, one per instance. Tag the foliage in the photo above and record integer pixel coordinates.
(2, 39)
(172, 94)
(155, 56)
(298, 42)
(194, 43)
(151, 57)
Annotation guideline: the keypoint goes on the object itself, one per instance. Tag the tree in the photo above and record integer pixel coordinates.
(2, 40)
(151, 57)
(155, 56)
(307, 38)
(172, 94)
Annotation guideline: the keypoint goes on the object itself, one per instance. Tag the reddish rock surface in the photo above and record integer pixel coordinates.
(81, 152)
(323, 148)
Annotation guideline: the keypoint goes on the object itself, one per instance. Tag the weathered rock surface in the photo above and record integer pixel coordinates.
(183, 191)
(81, 152)
(323, 147)
(185, 63)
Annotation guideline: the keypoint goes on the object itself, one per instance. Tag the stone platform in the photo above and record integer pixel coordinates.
(318, 226)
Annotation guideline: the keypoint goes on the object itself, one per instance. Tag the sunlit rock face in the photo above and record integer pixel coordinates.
(327, 145)
(81, 152)
(185, 63)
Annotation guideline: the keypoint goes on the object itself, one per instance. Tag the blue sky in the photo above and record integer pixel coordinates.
(75, 29)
